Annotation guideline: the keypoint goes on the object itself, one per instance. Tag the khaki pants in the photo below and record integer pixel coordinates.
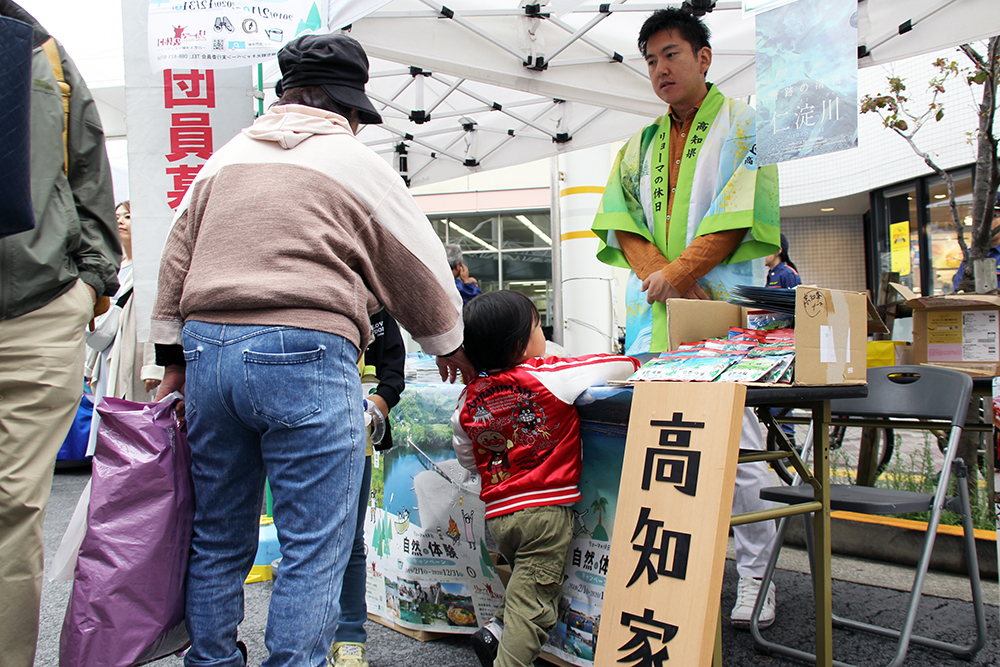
(41, 381)
(536, 543)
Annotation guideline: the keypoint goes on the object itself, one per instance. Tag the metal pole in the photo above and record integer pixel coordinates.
(555, 188)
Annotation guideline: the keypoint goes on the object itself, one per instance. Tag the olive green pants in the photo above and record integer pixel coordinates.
(535, 541)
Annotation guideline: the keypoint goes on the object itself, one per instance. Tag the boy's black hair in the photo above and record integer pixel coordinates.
(498, 327)
(679, 21)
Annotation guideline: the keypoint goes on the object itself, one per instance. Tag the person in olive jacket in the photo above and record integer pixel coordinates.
(50, 279)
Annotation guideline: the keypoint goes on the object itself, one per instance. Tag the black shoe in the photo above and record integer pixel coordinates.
(243, 650)
(486, 646)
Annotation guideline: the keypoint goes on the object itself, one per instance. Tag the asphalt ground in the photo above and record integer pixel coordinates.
(868, 590)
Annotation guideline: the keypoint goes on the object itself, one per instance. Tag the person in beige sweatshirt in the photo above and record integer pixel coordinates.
(291, 235)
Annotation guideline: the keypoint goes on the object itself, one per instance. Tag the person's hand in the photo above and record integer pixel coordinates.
(473, 281)
(451, 367)
(380, 403)
(657, 288)
(463, 273)
(150, 384)
(173, 380)
(696, 292)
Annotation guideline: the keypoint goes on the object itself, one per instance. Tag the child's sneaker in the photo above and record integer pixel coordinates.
(486, 642)
(347, 654)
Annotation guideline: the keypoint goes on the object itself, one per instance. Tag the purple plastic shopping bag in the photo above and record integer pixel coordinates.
(127, 605)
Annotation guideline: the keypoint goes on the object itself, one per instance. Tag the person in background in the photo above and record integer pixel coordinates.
(261, 315)
(781, 271)
(517, 428)
(782, 274)
(116, 368)
(387, 355)
(50, 279)
(669, 214)
(467, 286)
(994, 255)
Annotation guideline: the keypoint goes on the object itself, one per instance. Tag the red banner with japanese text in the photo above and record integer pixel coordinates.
(176, 120)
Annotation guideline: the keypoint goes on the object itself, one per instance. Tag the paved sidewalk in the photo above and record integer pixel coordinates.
(872, 591)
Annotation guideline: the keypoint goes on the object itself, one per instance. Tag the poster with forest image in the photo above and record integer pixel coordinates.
(429, 567)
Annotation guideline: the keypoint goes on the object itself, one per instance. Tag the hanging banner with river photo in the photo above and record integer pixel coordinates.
(429, 568)
(807, 79)
(227, 33)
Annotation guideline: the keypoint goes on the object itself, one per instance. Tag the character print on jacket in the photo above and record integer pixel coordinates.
(529, 424)
(498, 468)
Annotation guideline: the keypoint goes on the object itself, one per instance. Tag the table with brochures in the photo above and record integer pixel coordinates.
(611, 405)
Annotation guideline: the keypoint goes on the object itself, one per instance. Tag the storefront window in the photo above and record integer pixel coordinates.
(485, 268)
(901, 249)
(506, 251)
(526, 231)
(474, 233)
(946, 254)
(530, 272)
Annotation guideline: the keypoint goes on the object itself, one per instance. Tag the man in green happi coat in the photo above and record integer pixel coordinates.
(690, 212)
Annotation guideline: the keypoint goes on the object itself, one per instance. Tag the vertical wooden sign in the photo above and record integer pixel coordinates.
(668, 551)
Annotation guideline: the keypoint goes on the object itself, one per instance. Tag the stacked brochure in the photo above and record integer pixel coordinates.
(747, 355)
(764, 298)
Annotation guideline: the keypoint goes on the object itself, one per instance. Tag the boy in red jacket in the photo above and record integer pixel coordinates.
(516, 426)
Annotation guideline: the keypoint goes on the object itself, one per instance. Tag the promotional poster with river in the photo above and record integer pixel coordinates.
(429, 566)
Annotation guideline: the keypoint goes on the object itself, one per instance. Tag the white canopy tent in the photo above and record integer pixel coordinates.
(466, 87)
(503, 82)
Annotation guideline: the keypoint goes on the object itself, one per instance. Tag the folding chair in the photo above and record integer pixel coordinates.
(905, 397)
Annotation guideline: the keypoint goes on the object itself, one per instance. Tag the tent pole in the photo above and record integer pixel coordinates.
(555, 188)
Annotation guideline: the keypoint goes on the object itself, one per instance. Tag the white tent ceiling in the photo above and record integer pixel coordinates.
(504, 83)
(534, 84)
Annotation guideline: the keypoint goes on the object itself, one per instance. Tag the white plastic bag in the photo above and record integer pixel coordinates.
(104, 333)
(64, 561)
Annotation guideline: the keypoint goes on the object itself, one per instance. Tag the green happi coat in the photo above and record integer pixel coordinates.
(719, 187)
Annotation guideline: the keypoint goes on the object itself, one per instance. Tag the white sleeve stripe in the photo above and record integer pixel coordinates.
(568, 382)
(536, 493)
(550, 500)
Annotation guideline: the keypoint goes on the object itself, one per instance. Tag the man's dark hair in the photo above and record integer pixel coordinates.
(312, 96)
(498, 327)
(679, 21)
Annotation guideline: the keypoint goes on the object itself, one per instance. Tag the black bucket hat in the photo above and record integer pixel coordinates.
(334, 62)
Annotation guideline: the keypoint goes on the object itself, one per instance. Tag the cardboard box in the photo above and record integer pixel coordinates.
(958, 331)
(831, 331)
(831, 336)
(692, 320)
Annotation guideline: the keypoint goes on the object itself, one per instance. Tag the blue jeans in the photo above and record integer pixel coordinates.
(285, 404)
(353, 609)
